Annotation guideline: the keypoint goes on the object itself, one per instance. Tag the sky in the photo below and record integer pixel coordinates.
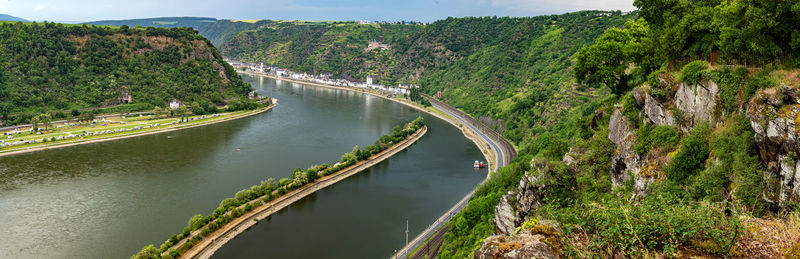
(373, 10)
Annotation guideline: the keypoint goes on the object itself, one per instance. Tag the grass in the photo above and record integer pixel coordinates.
(131, 123)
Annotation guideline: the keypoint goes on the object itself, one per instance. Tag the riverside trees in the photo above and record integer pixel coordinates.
(245, 200)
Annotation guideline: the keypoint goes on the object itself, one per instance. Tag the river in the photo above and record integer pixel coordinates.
(107, 200)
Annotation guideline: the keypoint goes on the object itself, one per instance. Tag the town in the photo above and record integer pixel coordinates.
(260, 68)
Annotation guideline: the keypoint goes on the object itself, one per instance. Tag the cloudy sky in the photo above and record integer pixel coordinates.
(418, 10)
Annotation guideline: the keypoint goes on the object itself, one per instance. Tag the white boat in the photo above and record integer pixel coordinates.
(477, 164)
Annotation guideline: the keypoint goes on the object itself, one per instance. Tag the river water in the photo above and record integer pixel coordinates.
(107, 200)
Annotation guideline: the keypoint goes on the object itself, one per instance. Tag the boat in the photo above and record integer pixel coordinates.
(477, 164)
(482, 165)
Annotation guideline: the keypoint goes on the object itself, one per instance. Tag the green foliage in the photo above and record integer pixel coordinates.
(748, 32)
(620, 228)
(74, 67)
(608, 59)
(661, 136)
(691, 156)
(657, 90)
(693, 72)
(148, 252)
(475, 221)
(761, 80)
(730, 82)
(630, 110)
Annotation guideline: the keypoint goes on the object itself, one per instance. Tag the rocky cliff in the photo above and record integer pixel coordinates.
(773, 113)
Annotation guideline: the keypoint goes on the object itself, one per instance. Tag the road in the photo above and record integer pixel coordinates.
(503, 152)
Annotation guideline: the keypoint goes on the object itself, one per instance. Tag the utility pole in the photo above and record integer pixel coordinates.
(406, 232)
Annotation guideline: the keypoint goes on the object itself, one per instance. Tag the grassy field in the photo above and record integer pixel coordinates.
(73, 132)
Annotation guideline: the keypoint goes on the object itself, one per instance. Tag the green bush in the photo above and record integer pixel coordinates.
(691, 156)
(661, 136)
(656, 89)
(630, 110)
(619, 228)
(761, 80)
(148, 252)
(729, 82)
(693, 72)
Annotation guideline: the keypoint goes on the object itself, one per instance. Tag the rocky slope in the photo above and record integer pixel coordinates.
(773, 113)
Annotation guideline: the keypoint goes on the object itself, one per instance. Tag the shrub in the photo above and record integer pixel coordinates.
(661, 136)
(148, 252)
(691, 156)
(656, 89)
(630, 110)
(693, 72)
(761, 80)
(196, 222)
(621, 228)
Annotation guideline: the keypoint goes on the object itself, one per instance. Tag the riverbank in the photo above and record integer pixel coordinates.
(209, 244)
(143, 132)
(486, 150)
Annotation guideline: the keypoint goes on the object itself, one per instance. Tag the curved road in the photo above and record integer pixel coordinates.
(503, 153)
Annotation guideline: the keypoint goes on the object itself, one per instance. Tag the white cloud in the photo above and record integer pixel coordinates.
(39, 7)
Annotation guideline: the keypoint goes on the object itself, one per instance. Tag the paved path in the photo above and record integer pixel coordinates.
(503, 152)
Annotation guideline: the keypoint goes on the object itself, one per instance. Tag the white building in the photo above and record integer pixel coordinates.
(174, 104)
(369, 81)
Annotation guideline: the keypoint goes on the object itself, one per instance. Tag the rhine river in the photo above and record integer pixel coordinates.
(108, 200)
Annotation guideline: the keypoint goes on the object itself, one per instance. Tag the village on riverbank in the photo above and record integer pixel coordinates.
(327, 79)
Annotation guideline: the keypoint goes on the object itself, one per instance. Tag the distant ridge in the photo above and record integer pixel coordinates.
(166, 22)
(216, 30)
(5, 17)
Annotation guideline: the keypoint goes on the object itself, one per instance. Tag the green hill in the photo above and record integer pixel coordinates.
(49, 67)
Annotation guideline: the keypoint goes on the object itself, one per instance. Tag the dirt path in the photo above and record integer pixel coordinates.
(211, 243)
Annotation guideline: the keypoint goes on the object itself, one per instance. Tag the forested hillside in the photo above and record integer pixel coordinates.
(55, 67)
(517, 70)
(217, 31)
(692, 154)
(338, 48)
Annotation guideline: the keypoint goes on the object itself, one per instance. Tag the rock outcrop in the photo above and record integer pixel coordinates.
(530, 242)
(698, 103)
(774, 115)
(515, 207)
(624, 159)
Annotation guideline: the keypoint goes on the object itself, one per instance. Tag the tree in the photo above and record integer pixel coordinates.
(35, 123)
(609, 59)
(45, 119)
(148, 252)
(157, 111)
(181, 112)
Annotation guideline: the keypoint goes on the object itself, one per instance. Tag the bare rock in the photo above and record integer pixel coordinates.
(655, 112)
(505, 218)
(698, 102)
(639, 95)
(624, 159)
(774, 119)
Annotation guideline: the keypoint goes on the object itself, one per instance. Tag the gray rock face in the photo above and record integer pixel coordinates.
(624, 159)
(773, 118)
(514, 208)
(505, 218)
(655, 112)
(698, 102)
